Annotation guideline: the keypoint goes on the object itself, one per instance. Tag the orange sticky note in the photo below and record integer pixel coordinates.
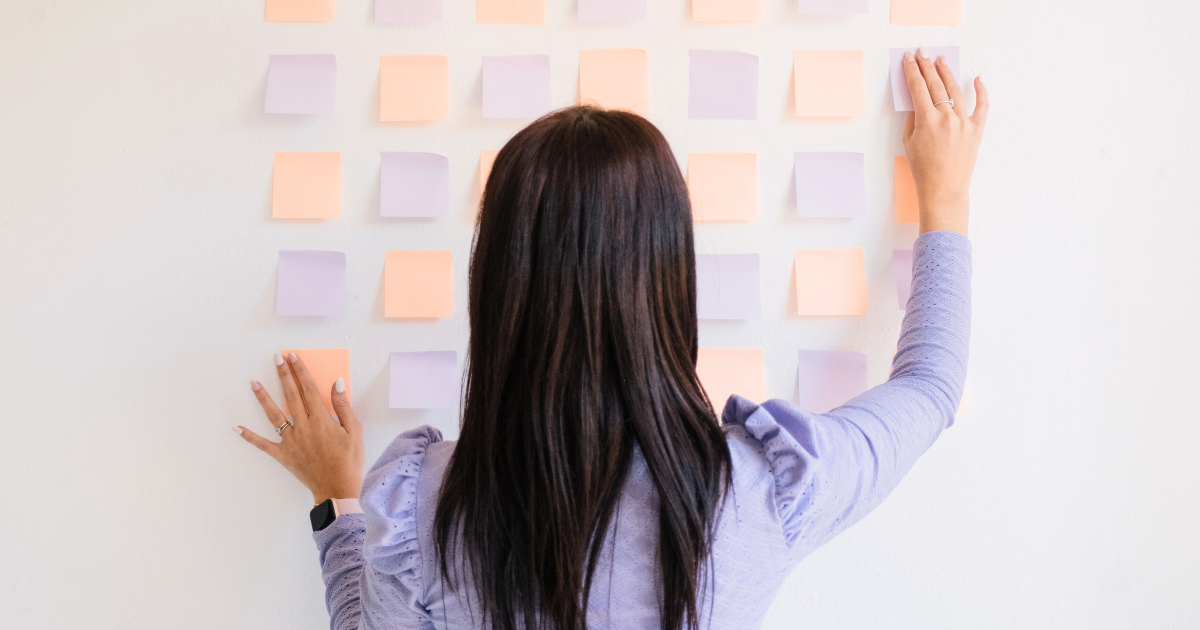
(306, 186)
(326, 367)
(904, 189)
(727, 371)
(831, 282)
(510, 11)
(964, 402)
(300, 10)
(829, 83)
(486, 160)
(418, 284)
(726, 10)
(723, 186)
(926, 11)
(616, 78)
(414, 87)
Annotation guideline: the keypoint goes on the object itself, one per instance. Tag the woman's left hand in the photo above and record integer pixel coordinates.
(326, 455)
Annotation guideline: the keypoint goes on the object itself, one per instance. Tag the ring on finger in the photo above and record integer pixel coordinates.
(949, 100)
(279, 429)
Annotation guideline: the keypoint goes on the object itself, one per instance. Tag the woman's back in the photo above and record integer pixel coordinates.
(798, 480)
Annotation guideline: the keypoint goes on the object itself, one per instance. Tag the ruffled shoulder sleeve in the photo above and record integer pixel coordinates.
(789, 446)
(389, 502)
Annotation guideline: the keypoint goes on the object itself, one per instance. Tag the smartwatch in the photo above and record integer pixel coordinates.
(327, 511)
(322, 515)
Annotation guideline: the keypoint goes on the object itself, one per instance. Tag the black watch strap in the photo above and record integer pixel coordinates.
(322, 515)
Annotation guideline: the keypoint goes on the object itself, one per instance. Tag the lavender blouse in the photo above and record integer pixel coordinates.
(799, 479)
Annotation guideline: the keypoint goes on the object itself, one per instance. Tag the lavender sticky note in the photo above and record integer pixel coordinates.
(516, 86)
(833, 6)
(301, 84)
(611, 10)
(900, 95)
(727, 286)
(424, 380)
(830, 185)
(828, 379)
(311, 283)
(722, 85)
(414, 185)
(902, 261)
(403, 11)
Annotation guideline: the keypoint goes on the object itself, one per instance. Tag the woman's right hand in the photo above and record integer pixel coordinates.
(942, 142)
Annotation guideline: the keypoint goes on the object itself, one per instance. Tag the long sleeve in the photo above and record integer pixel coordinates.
(832, 469)
(341, 554)
(371, 561)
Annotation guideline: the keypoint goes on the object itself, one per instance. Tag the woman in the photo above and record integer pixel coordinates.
(592, 486)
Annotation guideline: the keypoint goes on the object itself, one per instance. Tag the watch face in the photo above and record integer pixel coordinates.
(322, 515)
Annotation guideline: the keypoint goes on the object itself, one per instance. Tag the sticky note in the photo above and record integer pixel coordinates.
(424, 380)
(306, 186)
(724, 372)
(326, 365)
(830, 185)
(926, 11)
(301, 84)
(827, 379)
(300, 10)
(405, 11)
(486, 160)
(726, 10)
(414, 185)
(311, 283)
(611, 10)
(900, 94)
(831, 282)
(723, 186)
(616, 78)
(722, 85)
(833, 6)
(727, 286)
(510, 11)
(417, 284)
(904, 192)
(829, 83)
(516, 86)
(902, 262)
(414, 88)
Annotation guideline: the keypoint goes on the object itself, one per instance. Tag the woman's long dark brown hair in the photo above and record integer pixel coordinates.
(583, 344)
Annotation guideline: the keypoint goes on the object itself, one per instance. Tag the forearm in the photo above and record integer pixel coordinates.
(340, 546)
(931, 355)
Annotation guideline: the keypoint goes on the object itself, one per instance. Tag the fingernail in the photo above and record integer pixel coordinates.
(923, 53)
(908, 56)
(292, 357)
(237, 430)
(278, 359)
(339, 386)
(255, 385)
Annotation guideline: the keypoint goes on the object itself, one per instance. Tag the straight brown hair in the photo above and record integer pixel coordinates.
(583, 344)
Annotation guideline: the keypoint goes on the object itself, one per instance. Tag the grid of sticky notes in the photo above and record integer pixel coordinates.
(416, 90)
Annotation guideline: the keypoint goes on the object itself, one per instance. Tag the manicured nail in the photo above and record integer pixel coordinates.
(339, 385)
(908, 56)
(292, 357)
(923, 53)
(278, 359)
(255, 385)
(237, 430)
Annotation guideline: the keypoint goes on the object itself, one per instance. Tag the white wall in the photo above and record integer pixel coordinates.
(137, 275)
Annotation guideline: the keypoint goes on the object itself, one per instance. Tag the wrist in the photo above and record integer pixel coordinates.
(338, 492)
